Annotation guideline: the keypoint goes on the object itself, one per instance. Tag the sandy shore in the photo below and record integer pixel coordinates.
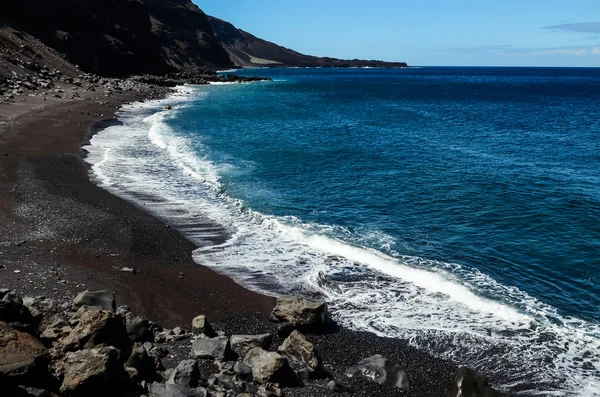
(62, 234)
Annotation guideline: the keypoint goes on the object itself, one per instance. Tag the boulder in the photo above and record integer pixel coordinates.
(301, 355)
(92, 372)
(301, 312)
(142, 362)
(169, 390)
(13, 312)
(104, 299)
(97, 327)
(380, 370)
(269, 367)
(213, 348)
(20, 353)
(200, 325)
(186, 374)
(138, 330)
(241, 344)
(469, 383)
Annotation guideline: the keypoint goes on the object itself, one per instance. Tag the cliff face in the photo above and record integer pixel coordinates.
(247, 50)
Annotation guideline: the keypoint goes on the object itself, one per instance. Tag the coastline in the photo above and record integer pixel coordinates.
(67, 234)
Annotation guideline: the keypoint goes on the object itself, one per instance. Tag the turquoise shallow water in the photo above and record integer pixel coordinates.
(457, 208)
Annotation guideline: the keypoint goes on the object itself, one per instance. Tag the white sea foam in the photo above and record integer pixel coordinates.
(450, 310)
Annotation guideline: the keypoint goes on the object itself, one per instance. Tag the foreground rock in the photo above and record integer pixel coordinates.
(241, 344)
(301, 355)
(186, 374)
(104, 299)
(380, 370)
(303, 313)
(20, 354)
(97, 327)
(201, 326)
(270, 367)
(91, 372)
(212, 348)
(469, 383)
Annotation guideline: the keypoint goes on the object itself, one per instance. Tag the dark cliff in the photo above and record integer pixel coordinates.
(121, 37)
(247, 50)
(127, 37)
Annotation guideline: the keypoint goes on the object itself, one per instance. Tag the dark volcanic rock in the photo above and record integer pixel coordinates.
(103, 299)
(468, 383)
(217, 347)
(301, 312)
(241, 344)
(186, 374)
(138, 330)
(16, 314)
(380, 370)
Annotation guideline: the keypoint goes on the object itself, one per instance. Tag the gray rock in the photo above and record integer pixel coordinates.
(168, 390)
(301, 355)
(138, 330)
(104, 299)
(241, 344)
(97, 327)
(269, 367)
(142, 362)
(301, 312)
(380, 370)
(214, 348)
(186, 374)
(200, 325)
(92, 372)
(469, 383)
(243, 371)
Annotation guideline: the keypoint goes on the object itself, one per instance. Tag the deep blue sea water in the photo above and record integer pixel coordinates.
(457, 208)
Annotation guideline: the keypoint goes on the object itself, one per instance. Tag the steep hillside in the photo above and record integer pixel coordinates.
(120, 37)
(186, 37)
(247, 50)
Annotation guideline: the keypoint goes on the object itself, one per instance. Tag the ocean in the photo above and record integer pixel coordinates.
(456, 208)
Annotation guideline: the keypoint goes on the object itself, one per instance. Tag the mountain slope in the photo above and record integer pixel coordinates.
(247, 50)
(121, 37)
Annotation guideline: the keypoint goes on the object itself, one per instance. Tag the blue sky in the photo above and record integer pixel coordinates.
(427, 32)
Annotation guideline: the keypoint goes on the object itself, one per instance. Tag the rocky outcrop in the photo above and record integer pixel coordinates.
(380, 370)
(186, 374)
